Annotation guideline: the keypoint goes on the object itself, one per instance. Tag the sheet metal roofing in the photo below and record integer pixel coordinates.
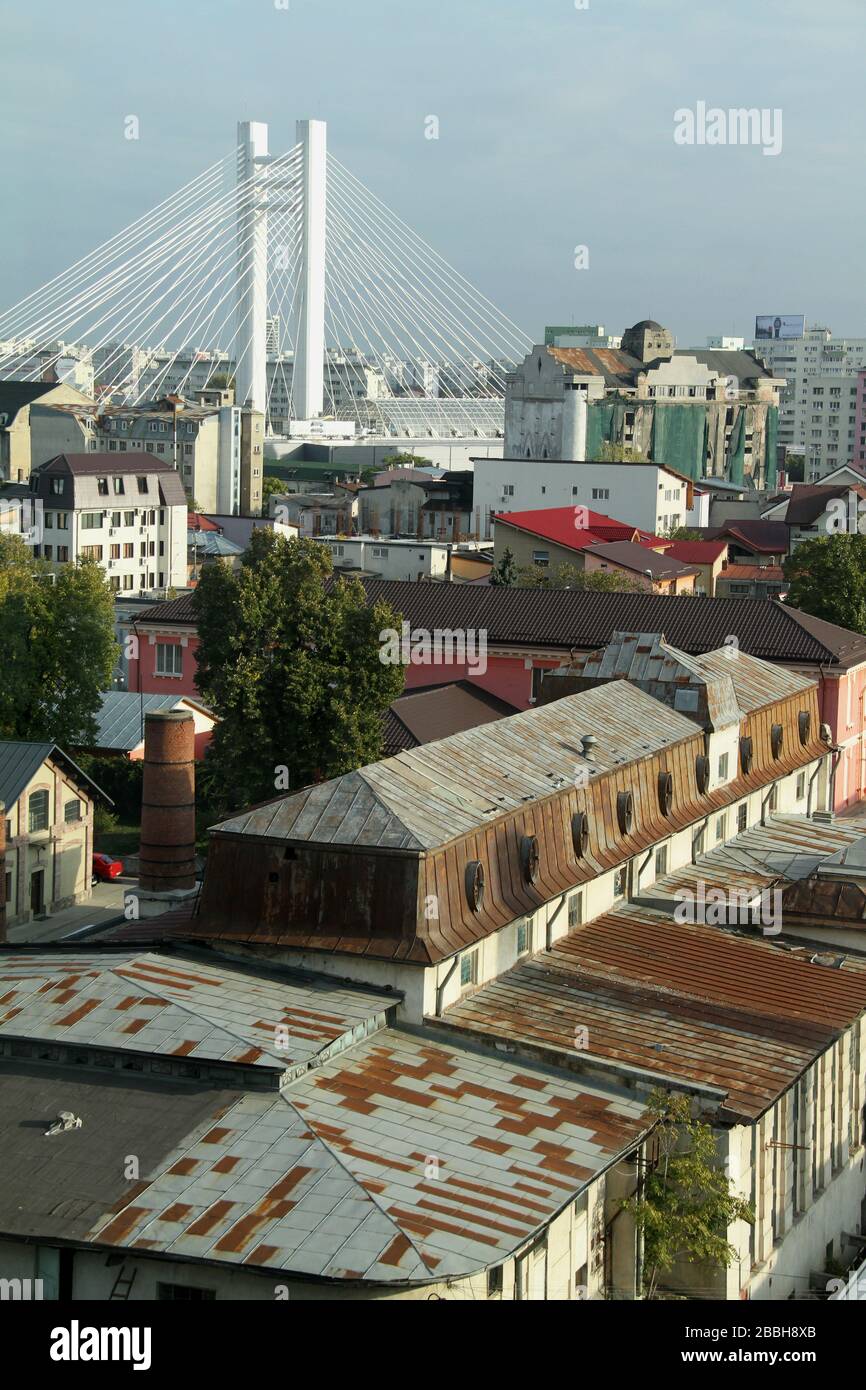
(568, 619)
(170, 1006)
(426, 797)
(335, 1178)
(19, 762)
(438, 711)
(688, 1003)
(120, 718)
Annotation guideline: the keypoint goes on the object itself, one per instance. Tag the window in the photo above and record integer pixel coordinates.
(575, 911)
(723, 768)
(742, 817)
(169, 659)
(115, 518)
(128, 550)
(619, 883)
(72, 811)
(721, 829)
(601, 494)
(63, 553)
(801, 786)
(661, 861)
(91, 552)
(62, 521)
(541, 558)
(508, 490)
(129, 518)
(183, 1293)
(37, 811)
(494, 1281)
(114, 552)
(49, 521)
(142, 484)
(48, 552)
(57, 487)
(118, 486)
(91, 521)
(468, 969)
(524, 937)
(102, 486)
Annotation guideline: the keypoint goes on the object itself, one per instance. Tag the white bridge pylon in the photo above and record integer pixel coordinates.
(284, 270)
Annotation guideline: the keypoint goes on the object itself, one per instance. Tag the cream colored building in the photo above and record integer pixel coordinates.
(17, 402)
(49, 805)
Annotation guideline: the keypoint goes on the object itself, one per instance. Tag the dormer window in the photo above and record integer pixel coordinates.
(529, 858)
(666, 792)
(777, 739)
(702, 774)
(475, 884)
(580, 833)
(625, 811)
(804, 725)
(746, 755)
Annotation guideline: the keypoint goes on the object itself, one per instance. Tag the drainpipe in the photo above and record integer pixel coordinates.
(815, 774)
(696, 837)
(640, 869)
(837, 758)
(548, 930)
(440, 989)
(765, 803)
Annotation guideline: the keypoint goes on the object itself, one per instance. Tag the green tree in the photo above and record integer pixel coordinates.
(504, 575)
(686, 1206)
(292, 667)
(620, 453)
(681, 533)
(570, 577)
(271, 487)
(405, 460)
(222, 381)
(59, 647)
(827, 578)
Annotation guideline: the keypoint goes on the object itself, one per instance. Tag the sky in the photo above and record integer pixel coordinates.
(556, 131)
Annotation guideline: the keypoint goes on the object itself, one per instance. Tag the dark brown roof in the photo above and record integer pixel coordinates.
(438, 711)
(765, 537)
(809, 501)
(565, 619)
(99, 464)
(638, 559)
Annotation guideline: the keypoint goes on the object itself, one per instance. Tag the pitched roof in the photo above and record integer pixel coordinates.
(560, 525)
(430, 795)
(809, 501)
(639, 558)
(19, 762)
(696, 552)
(14, 395)
(766, 537)
(566, 619)
(120, 720)
(438, 711)
(84, 465)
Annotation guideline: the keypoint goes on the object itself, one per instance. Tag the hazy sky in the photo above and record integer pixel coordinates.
(556, 130)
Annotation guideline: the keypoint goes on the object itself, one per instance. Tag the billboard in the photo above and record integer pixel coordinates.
(779, 326)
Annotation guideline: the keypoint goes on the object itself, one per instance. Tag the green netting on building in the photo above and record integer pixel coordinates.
(736, 460)
(679, 438)
(604, 425)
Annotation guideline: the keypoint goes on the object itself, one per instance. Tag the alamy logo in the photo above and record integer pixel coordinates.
(736, 907)
(21, 1290)
(737, 126)
(77, 1343)
(434, 647)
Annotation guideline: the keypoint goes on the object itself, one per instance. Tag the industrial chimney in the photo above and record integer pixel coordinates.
(167, 855)
(574, 422)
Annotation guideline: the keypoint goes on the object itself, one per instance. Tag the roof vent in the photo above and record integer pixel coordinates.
(588, 744)
(65, 1120)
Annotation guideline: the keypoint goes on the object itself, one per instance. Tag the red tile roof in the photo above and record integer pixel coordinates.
(696, 552)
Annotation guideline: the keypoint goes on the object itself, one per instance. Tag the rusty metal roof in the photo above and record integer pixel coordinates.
(403, 1160)
(428, 796)
(171, 1006)
(756, 683)
(687, 1003)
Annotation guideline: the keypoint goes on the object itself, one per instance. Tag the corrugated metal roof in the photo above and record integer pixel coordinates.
(120, 718)
(19, 762)
(428, 796)
(169, 1006)
(434, 712)
(402, 1160)
(689, 1002)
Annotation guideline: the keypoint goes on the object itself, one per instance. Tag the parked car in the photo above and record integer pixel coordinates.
(105, 868)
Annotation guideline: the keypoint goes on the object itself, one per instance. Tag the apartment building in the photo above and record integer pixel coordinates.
(702, 412)
(17, 399)
(127, 512)
(818, 406)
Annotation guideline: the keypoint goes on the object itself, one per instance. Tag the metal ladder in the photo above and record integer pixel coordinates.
(123, 1284)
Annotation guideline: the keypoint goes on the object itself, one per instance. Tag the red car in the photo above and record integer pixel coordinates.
(105, 868)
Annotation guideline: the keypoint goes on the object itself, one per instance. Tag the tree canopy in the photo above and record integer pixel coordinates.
(686, 1206)
(827, 578)
(59, 647)
(570, 577)
(292, 668)
(505, 574)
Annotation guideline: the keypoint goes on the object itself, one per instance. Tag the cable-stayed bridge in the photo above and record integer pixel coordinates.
(287, 273)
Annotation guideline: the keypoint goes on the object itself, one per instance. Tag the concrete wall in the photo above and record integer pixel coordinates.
(634, 494)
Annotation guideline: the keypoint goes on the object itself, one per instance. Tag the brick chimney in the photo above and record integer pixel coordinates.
(167, 855)
(2, 872)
